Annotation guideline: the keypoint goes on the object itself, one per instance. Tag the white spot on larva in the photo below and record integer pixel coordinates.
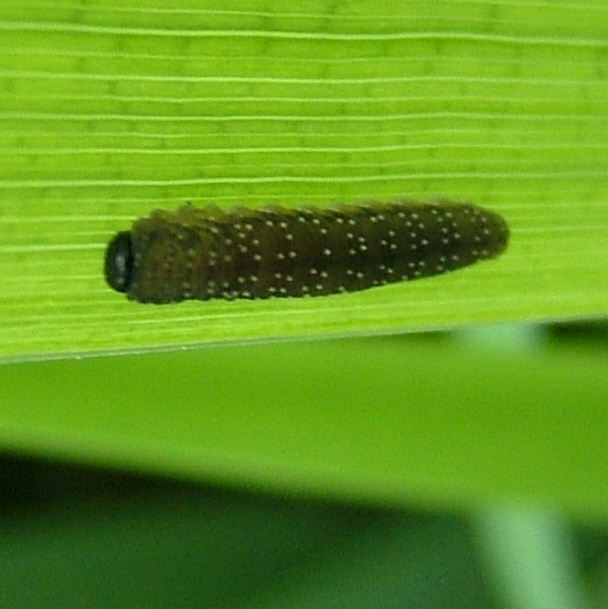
(360, 275)
(350, 236)
(253, 278)
(340, 220)
(227, 258)
(319, 286)
(456, 236)
(316, 221)
(241, 279)
(283, 224)
(413, 235)
(324, 274)
(302, 219)
(289, 236)
(393, 246)
(327, 252)
(352, 251)
(351, 222)
(413, 247)
(323, 231)
(415, 216)
(278, 275)
(257, 257)
(281, 256)
(191, 252)
(289, 278)
(283, 290)
(363, 248)
(389, 270)
(249, 227)
(305, 288)
(383, 242)
(350, 272)
(424, 241)
(292, 254)
(313, 271)
(269, 223)
(255, 241)
(228, 241)
(242, 235)
(391, 233)
(455, 257)
(243, 249)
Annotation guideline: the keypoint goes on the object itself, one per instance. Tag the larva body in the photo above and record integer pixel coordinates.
(203, 253)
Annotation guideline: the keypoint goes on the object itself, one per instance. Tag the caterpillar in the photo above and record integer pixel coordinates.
(204, 253)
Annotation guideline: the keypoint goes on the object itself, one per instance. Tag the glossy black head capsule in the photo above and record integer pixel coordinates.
(119, 262)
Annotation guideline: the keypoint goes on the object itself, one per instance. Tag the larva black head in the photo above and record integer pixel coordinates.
(119, 262)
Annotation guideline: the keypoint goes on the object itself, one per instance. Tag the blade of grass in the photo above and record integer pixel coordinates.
(110, 111)
(387, 421)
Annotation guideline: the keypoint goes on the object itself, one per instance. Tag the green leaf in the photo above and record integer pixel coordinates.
(108, 112)
(400, 421)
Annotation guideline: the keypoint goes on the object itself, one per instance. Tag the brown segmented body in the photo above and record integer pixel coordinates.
(203, 253)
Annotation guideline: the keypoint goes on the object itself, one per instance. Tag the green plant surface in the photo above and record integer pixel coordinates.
(388, 421)
(108, 111)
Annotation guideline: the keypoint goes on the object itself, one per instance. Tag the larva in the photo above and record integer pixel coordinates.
(203, 253)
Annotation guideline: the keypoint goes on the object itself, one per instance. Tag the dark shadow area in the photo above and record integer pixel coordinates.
(76, 536)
